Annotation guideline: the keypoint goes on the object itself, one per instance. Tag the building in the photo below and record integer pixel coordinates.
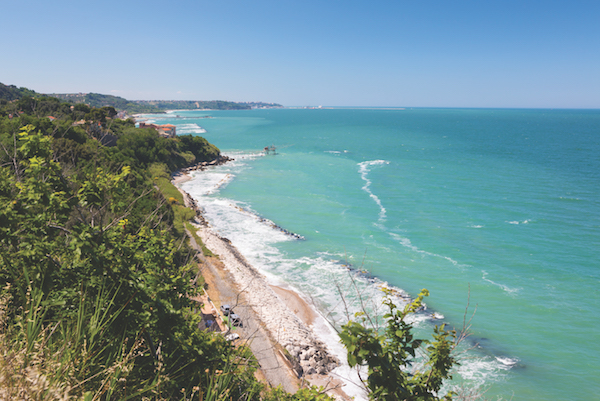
(166, 130)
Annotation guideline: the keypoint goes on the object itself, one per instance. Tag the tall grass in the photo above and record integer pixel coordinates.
(68, 359)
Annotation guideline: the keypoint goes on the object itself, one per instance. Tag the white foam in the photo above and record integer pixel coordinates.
(349, 376)
(364, 170)
(405, 242)
(321, 277)
(206, 183)
(511, 291)
(516, 222)
(192, 128)
(506, 362)
(479, 372)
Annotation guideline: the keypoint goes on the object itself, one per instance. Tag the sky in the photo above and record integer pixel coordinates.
(386, 53)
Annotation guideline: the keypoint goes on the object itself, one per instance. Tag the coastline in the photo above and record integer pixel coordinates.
(285, 316)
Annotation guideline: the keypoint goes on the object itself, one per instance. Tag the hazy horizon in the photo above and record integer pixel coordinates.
(385, 54)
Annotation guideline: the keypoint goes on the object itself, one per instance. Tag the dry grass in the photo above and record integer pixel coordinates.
(54, 362)
(26, 375)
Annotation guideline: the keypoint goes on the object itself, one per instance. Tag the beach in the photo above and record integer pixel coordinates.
(295, 355)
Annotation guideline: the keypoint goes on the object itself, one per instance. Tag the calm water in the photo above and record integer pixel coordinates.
(506, 202)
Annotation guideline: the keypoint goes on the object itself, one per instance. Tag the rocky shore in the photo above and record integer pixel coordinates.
(307, 354)
(222, 159)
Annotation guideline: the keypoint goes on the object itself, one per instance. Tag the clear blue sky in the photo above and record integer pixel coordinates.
(425, 53)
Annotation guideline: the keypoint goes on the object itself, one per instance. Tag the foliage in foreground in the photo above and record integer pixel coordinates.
(110, 301)
(390, 355)
(96, 276)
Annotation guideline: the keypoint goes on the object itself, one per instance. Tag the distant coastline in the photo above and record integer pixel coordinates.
(157, 106)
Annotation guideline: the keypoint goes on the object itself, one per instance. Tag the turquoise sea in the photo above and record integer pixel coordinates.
(501, 203)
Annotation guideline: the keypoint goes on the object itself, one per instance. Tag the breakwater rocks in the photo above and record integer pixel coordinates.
(309, 359)
(190, 202)
(222, 159)
(271, 224)
(283, 230)
(307, 353)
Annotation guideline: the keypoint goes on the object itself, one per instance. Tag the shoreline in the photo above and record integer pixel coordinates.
(285, 327)
(286, 316)
(296, 304)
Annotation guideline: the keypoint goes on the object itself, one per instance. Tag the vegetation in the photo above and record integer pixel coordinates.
(193, 105)
(110, 281)
(155, 106)
(98, 274)
(97, 100)
(11, 92)
(205, 250)
(394, 371)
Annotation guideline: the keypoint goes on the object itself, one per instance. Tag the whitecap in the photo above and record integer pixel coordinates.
(511, 291)
(364, 170)
(507, 362)
(405, 242)
(184, 129)
(516, 222)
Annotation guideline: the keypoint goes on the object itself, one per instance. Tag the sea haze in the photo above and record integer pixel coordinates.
(504, 202)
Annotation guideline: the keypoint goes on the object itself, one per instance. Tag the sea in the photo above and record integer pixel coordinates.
(495, 211)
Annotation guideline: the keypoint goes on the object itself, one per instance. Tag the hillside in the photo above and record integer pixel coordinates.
(99, 275)
(97, 100)
(11, 92)
(156, 106)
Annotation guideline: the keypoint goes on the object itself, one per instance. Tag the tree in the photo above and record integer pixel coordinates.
(390, 355)
(80, 282)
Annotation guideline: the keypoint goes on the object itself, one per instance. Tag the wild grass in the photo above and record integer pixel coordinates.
(65, 360)
(162, 179)
(71, 360)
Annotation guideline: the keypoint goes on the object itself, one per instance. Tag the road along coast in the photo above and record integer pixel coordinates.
(282, 313)
(285, 327)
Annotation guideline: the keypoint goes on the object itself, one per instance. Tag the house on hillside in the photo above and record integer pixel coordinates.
(165, 130)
